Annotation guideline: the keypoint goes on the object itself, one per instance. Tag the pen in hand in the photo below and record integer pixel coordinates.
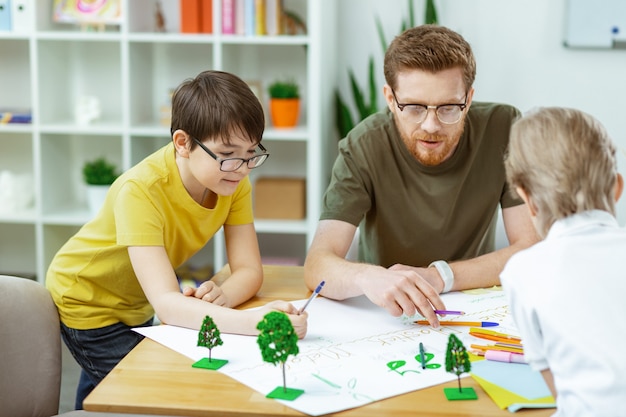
(315, 293)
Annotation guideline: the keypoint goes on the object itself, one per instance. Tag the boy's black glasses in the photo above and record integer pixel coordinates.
(233, 164)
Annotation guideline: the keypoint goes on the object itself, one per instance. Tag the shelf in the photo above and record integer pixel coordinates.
(16, 128)
(68, 216)
(299, 133)
(281, 226)
(95, 128)
(27, 216)
(129, 71)
(79, 36)
(265, 40)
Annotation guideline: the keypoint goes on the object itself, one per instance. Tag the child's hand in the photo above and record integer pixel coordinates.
(298, 321)
(208, 291)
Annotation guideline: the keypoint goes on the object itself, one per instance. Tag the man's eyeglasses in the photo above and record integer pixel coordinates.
(448, 114)
(233, 164)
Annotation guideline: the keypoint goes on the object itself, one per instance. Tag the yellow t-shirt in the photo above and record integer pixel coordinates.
(91, 278)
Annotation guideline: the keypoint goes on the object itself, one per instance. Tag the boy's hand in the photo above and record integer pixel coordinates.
(208, 291)
(298, 321)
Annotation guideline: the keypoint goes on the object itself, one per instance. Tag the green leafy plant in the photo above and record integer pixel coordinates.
(344, 119)
(209, 335)
(284, 89)
(277, 340)
(99, 172)
(457, 359)
(431, 13)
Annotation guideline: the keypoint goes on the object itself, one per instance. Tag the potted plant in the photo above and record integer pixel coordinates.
(284, 103)
(98, 174)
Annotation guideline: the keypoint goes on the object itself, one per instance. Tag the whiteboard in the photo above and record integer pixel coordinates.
(595, 24)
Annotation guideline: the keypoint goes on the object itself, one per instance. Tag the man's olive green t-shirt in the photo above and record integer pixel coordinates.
(414, 214)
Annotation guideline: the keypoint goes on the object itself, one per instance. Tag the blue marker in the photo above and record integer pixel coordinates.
(317, 291)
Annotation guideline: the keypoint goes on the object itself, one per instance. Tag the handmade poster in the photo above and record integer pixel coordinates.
(354, 352)
(87, 11)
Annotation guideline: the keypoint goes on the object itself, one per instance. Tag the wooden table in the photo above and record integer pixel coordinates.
(153, 379)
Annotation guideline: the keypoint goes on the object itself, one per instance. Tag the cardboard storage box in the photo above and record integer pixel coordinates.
(280, 198)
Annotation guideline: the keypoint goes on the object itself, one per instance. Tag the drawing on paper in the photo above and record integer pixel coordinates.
(354, 352)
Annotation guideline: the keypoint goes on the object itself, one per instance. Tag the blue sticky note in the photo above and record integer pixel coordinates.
(515, 377)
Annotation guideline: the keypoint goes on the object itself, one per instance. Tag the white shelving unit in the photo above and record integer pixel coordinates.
(131, 68)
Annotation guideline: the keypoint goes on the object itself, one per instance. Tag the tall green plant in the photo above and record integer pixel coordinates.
(344, 120)
(431, 13)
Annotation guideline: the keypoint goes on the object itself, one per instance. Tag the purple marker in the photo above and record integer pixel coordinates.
(456, 313)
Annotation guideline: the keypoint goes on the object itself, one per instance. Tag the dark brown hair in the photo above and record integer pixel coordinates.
(216, 104)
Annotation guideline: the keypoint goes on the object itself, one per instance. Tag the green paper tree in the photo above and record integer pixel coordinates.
(277, 340)
(457, 359)
(209, 335)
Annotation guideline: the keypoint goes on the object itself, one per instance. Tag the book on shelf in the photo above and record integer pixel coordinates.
(190, 16)
(22, 15)
(274, 17)
(259, 17)
(228, 17)
(240, 18)
(196, 16)
(249, 19)
(206, 16)
(15, 116)
(5, 15)
(255, 17)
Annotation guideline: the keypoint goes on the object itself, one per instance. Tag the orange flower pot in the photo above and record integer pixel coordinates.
(284, 112)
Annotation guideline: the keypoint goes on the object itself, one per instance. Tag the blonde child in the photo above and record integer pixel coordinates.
(566, 293)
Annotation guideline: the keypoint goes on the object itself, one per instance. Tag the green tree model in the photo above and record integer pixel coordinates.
(277, 340)
(209, 335)
(457, 359)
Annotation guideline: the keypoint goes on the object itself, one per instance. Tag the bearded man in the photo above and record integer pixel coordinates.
(423, 181)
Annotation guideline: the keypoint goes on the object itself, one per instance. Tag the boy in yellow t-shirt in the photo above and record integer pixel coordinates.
(118, 270)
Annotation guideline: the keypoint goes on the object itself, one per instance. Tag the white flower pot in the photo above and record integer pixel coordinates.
(95, 197)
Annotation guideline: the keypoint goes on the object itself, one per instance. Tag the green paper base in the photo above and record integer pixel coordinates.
(453, 394)
(213, 364)
(289, 394)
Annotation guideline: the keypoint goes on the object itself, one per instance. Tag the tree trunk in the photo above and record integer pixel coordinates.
(284, 378)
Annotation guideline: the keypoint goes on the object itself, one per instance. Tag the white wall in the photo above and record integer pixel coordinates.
(520, 56)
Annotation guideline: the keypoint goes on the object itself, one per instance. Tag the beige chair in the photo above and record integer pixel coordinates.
(30, 352)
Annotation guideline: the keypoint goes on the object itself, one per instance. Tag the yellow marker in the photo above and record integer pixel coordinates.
(493, 333)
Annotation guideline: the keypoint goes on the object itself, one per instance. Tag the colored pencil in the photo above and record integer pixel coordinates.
(462, 323)
(496, 338)
(497, 347)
